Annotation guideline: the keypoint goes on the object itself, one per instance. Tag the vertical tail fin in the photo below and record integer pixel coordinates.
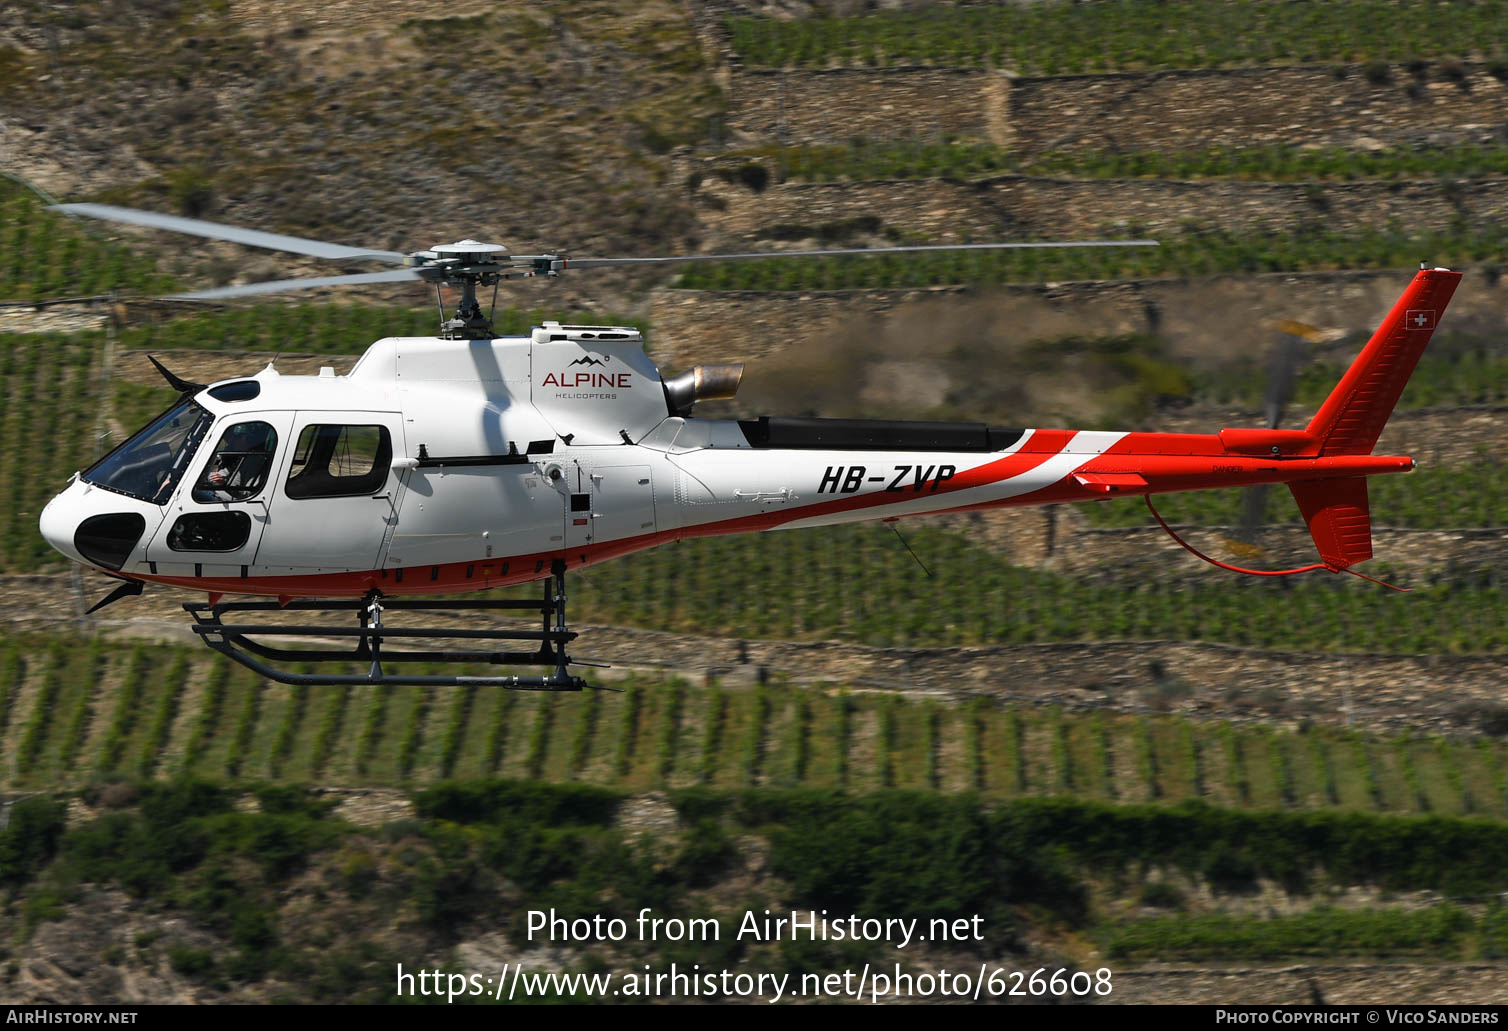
(1339, 518)
(1352, 417)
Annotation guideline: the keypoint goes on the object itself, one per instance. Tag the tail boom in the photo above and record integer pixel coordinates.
(1325, 465)
(1141, 469)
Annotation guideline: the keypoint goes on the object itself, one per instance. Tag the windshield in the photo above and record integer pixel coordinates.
(150, 464)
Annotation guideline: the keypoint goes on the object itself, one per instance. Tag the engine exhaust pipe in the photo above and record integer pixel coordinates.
(702, 383)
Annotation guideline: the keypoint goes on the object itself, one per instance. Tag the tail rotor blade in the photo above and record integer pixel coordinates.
(1282, 375)
(1288, 354)
(1253, 513)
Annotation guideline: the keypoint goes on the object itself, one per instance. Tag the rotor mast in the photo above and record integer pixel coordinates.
(465, 266)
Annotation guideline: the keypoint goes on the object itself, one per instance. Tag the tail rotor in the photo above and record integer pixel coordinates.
(1289, 350)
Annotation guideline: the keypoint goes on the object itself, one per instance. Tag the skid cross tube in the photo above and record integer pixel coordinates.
(235, 640)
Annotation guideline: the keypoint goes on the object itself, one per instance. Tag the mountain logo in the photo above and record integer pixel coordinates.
(587, 359)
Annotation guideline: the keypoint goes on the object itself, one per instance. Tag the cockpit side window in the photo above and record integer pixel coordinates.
(339, 461)
(150, 464)
(240, 464)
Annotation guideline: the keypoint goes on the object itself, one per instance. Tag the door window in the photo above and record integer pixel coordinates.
(210, 531)
(240, 464)
(339, 461)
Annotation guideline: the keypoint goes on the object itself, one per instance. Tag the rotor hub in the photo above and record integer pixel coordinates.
(465, 265)
(468, 248)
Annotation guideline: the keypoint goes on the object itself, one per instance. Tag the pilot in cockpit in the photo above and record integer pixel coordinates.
(240, 464)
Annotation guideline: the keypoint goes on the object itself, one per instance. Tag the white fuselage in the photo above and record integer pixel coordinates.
(498, 457)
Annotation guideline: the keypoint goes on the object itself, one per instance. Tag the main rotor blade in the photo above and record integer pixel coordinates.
(235, 234)
(604, 262)
(397, 275)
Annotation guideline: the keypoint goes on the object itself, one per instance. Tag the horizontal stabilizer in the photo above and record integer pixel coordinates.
(1339, 518)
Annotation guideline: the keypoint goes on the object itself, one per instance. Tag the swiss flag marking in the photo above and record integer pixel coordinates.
(1420, 318)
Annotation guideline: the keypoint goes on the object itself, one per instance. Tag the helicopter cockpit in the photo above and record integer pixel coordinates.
(149, 465)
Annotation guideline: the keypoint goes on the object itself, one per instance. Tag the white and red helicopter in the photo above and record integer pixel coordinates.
(467, 461)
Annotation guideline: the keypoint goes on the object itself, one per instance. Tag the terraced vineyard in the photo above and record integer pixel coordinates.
(704, 586)
(79, 712)
(960, 157)
(43, 255)
(44, 441)
(719, 586)
(1069, 38)
(1456, 372)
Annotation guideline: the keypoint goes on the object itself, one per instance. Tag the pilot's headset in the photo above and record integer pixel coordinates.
(243, 436)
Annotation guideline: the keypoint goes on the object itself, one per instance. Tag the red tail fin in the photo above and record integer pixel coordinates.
(1352, 417)
(1338, 516)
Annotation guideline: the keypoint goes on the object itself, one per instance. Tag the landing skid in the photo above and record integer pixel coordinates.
(234, 640)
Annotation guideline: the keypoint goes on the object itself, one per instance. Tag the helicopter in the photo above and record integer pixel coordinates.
(466, 461)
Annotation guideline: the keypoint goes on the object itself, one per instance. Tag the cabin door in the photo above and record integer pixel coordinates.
(338, 500)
